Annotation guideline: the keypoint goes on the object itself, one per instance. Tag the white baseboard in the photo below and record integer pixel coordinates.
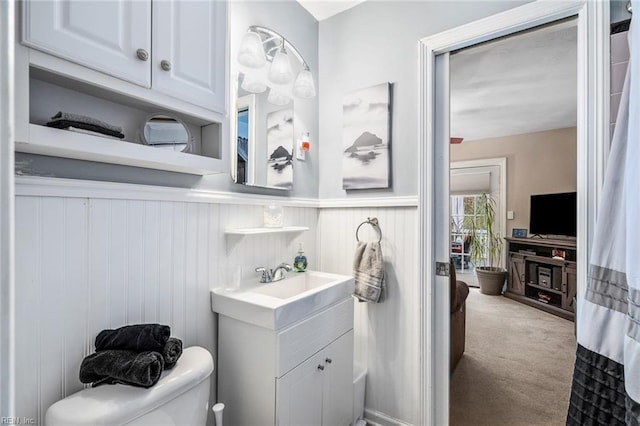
(376, 418)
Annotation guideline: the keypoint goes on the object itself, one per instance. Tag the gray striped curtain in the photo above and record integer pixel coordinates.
(606, 378)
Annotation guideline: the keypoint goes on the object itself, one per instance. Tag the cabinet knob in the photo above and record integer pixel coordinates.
(142, 54)
(320, 367)
(328, 360)
(165, 65)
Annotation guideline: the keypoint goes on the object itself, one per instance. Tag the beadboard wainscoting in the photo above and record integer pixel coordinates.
(387, 334)
(86, 264)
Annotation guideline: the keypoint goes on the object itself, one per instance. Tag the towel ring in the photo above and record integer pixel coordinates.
(373, 222)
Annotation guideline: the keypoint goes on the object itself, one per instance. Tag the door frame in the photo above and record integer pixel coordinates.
(7, 188)
(433, 188)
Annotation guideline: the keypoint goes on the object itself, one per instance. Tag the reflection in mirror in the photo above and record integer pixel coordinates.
(271, 73)
(166, 132)
(264, 141)
(263, 146)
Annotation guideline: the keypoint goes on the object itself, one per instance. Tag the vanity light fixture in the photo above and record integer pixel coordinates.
(277, 98)
(252, 84)
(251, 53)
(277, 50)
(280, 70)
(303, 86)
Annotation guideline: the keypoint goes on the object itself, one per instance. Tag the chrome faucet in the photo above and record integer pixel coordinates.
(276, 274)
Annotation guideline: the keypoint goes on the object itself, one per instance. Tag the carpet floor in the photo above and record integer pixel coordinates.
(517, 365)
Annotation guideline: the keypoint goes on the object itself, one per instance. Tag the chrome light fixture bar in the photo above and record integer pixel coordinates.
(275, 49)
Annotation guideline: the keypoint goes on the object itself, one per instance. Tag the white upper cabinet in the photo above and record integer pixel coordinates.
(174, 47)
(189, 39)
(103, 35)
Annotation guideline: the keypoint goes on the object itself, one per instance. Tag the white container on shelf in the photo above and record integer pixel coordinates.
(273, 216)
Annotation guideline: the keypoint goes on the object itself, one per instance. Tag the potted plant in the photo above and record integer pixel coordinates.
(486, 243)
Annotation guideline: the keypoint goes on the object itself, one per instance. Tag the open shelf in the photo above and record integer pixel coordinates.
(264, 230)
(63, 143)
(539, 287)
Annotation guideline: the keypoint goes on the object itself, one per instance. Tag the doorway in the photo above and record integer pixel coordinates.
(515, 97)
(434, 164)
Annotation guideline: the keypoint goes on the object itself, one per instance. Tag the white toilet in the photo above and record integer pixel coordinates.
(181, 397)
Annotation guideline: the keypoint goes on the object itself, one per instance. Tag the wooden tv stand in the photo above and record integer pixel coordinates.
(542, 274)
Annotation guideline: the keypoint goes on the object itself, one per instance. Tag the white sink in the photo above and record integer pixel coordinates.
(282, 303)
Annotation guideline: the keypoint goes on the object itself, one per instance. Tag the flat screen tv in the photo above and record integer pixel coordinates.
(553, 214)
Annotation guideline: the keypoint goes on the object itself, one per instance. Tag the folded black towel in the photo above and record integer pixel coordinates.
(122, 366)
(139, 337)
(79, 118)
(171, 352)
(63, 124)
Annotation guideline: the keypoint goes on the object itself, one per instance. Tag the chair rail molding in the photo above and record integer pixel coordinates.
(58, 187)
(592, 139)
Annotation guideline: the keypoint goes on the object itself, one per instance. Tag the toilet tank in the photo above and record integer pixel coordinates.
(181, 397)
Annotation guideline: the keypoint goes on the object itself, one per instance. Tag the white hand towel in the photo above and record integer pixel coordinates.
(368, 271)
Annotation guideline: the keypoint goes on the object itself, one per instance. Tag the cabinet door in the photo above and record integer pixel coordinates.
(299, 394)
(337, 405)
(569, 288)
(103, 35)
(516, 278)
(189, 51)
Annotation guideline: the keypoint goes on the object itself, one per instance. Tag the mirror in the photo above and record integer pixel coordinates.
(264, 141)
(270, 73)
(166, 132)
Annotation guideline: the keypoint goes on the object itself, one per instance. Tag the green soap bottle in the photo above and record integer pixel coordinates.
(300, 262)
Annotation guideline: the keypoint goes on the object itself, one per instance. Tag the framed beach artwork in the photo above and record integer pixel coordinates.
(366, 138)
(280, 148)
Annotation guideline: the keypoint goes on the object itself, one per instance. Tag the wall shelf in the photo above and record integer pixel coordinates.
(264, 230)
(63, 143)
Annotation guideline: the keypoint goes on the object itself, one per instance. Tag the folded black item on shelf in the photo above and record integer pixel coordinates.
(63, 124)
(79, 118)
(138, 337)
(122, 366)
(171, 352)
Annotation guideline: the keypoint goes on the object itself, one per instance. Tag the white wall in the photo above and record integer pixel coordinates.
(375, 42)
(84, 264)
(386, 334)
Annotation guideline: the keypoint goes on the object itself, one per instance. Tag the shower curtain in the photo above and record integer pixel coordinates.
(606, 377)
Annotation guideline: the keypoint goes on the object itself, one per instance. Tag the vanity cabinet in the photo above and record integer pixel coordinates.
(317, 391)
(302, 374)
(177, 48)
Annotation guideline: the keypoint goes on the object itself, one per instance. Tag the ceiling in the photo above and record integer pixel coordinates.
(520, 84)
(323, 9)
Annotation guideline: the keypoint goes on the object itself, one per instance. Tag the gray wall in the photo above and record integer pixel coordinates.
(290, 20)
(375, 42)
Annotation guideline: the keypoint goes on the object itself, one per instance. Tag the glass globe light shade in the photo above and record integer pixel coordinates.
(251, 53)
(280, 70)
(277, 98)
(252, 84)
(303, 86)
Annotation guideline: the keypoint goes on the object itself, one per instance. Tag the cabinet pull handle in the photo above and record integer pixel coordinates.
(142, 54)
(328, 360)
(320, 367)
(165, 65)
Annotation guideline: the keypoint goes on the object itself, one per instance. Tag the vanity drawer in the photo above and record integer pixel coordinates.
(296, 344)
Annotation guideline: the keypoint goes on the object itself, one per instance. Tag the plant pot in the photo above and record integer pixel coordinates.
(491, 280)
